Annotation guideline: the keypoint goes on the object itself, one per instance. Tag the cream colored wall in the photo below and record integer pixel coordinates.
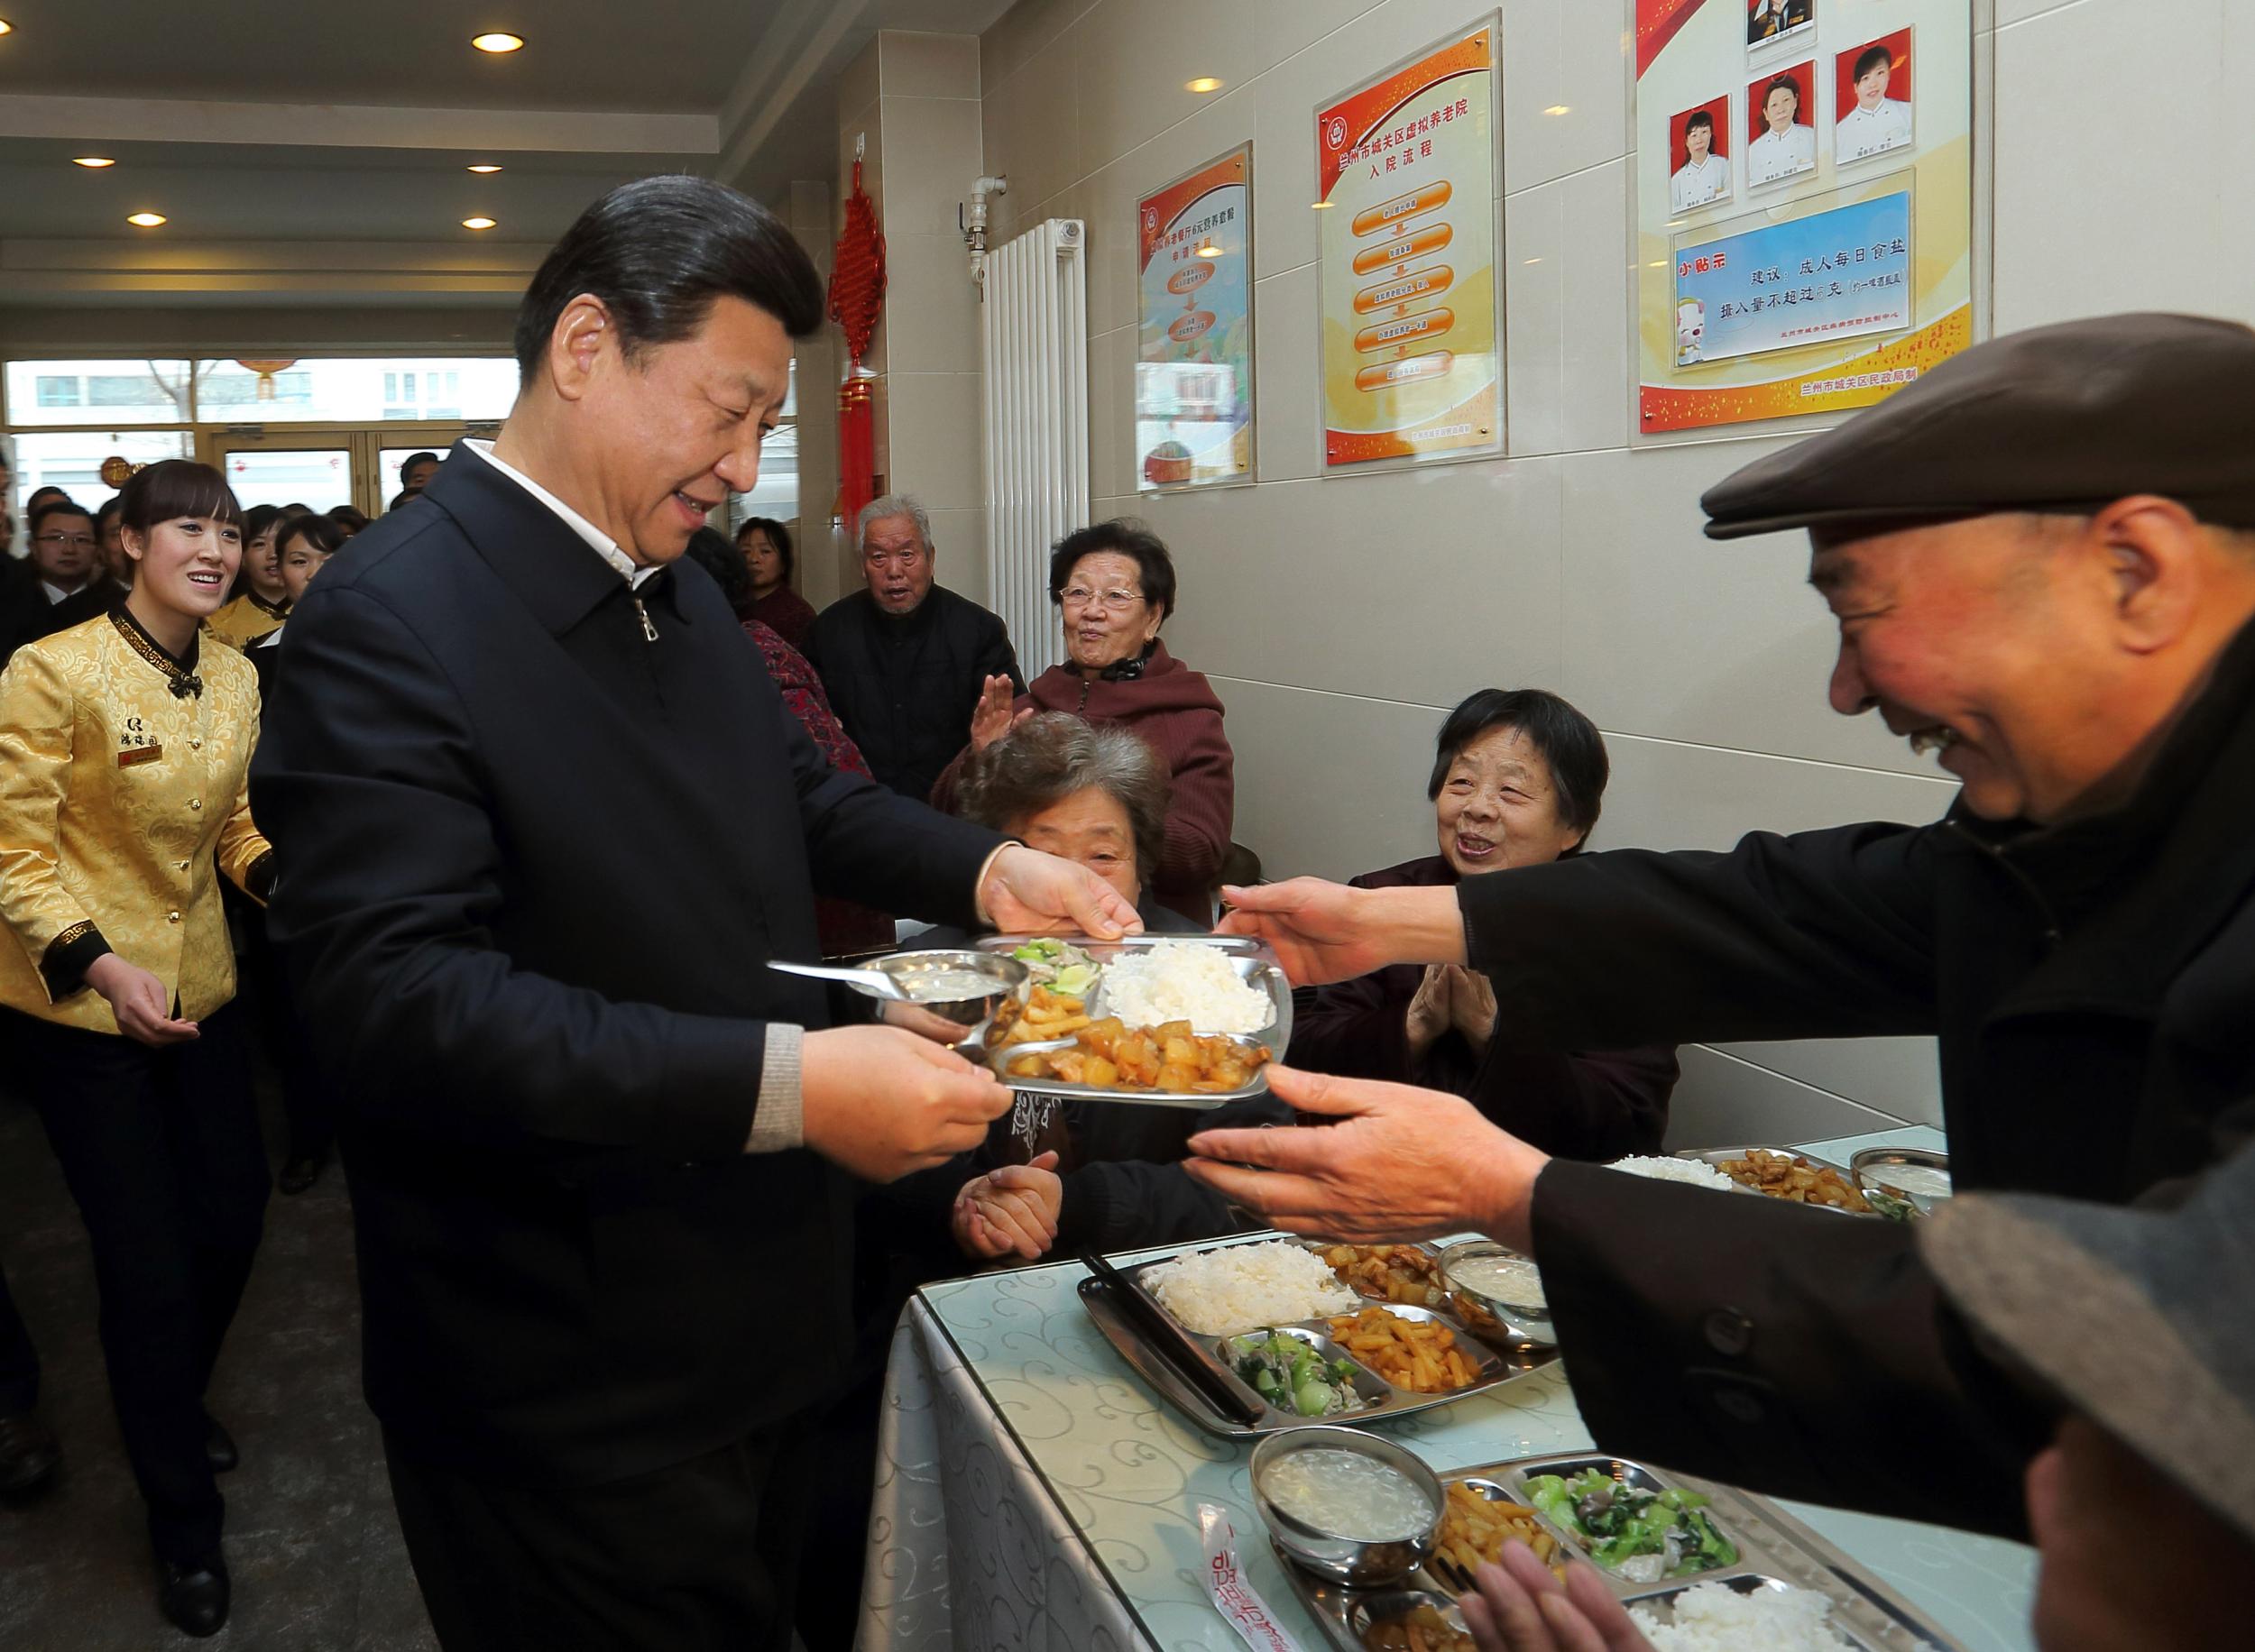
(1339, 618)
(911, 100)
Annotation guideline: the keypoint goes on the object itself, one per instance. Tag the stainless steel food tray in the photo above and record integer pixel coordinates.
(1774, 1551)
(1254, 962)
(1383, 1401)
(1715, 1156)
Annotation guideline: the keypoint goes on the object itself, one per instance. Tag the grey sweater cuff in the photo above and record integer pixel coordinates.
(778, 1121)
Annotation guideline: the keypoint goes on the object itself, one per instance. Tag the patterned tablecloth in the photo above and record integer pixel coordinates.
(1032, 1493)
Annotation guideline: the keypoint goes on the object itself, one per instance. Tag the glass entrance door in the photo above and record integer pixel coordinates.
(323, 467)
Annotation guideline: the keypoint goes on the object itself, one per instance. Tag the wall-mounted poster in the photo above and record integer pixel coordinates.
(1872, 94)
(1405, 165)
(1194, 364)
(1842, 267)
(1770, 22)
(1781, 125)
(1699, 143)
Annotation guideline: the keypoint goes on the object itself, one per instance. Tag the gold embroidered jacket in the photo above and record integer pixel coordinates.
(121, 771)
(244, 621)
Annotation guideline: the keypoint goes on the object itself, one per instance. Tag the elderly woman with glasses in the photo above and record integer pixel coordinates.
(1114, 584)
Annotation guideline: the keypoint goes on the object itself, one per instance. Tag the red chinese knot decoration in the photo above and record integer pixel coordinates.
(856, 295)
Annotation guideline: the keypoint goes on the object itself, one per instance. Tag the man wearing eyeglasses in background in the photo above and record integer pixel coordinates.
(66, 562)
(905, 660)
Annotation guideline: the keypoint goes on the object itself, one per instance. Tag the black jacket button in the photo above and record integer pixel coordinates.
(1730, 1332)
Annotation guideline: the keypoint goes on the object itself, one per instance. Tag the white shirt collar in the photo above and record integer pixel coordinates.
(602, 543)
(56, 594)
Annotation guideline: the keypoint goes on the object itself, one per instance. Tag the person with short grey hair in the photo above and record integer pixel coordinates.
(906, 660)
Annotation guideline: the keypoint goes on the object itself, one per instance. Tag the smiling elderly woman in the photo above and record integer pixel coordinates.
(1518, 778)
(1114, 586)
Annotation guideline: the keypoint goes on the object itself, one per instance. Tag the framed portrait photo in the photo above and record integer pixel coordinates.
(1698, 156)
(1872, 98)
(1781, 125)
(1770, 21)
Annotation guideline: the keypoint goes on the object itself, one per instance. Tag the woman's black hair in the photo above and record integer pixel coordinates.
(709, 548)
(172, 489)
(779, 537)
(259, 519)
(351, 516)
(326, 534)
(1567, 741)
(1699, 118)
(1127, 537)
(657, 252)
(108, 509)
(1790, 85)
(1870, 59)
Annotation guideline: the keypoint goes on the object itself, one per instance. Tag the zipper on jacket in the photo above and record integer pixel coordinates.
(649, 632)
(1083, 707)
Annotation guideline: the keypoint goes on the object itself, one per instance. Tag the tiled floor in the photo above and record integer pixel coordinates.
(312, 1537)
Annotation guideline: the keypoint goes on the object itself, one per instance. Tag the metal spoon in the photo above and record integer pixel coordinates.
(876, 983)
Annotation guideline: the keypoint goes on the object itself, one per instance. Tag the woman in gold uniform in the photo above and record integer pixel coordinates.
(124, 749)
(262, 601)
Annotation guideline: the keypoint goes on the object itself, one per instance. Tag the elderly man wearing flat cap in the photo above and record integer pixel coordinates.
(2041, 557)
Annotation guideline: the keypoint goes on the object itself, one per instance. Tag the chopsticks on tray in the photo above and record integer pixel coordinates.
(1163, 1337)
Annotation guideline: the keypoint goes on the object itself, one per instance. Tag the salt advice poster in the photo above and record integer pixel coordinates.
(1804, 204)
(1194, 366)
(1405, 167)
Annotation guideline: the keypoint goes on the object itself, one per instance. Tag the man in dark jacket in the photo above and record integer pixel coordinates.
(905, 661)
(543, 821)
(2041, 557)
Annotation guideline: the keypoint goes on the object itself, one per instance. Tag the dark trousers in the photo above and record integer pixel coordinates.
(19, 1361)
(696, 1558)
(161, 1149)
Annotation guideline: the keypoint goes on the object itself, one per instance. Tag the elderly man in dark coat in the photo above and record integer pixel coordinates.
(2041, 557)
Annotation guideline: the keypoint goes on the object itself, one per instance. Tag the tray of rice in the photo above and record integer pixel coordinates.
(1303, 1339)
(1173, 1021)
(1701, 1567)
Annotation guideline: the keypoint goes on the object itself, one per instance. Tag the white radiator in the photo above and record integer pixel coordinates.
(1035, 328)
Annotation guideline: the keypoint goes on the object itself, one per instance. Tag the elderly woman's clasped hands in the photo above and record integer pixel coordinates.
(1520, 1607)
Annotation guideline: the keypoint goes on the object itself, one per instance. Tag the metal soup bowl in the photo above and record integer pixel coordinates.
(923, 979)
(1521, 1322)
(1361, 1562)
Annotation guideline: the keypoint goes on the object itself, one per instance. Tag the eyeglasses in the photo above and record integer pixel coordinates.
(1080, 596)
(85, 539)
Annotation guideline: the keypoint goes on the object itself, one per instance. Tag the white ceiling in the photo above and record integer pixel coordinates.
(312, 152)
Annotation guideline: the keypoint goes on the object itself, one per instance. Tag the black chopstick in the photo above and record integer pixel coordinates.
(1166, 1338)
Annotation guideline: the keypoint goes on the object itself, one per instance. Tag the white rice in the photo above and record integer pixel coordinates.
(1688, 1170)
(1716, 1618)
(1180, 980)
(1243, 1287)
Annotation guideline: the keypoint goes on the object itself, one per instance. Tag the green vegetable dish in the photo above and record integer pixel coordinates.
(1293, 1377)
(1642, 1536)
(1059, 965)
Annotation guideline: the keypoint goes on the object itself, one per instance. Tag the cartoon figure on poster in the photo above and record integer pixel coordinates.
(1875, 92)
(1782, 125)
(1690, 328)
(1768, 21)
(1699, 143)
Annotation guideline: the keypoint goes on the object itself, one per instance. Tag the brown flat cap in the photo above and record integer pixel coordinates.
(2060, 419)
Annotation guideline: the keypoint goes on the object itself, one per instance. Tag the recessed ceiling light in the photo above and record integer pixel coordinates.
(92, 161)
(482, 166)
(497, 41)
(1320, 205)
(1204, 83)
(1558, 109)
(1209, 250)
(146, 220)
(477, 224)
